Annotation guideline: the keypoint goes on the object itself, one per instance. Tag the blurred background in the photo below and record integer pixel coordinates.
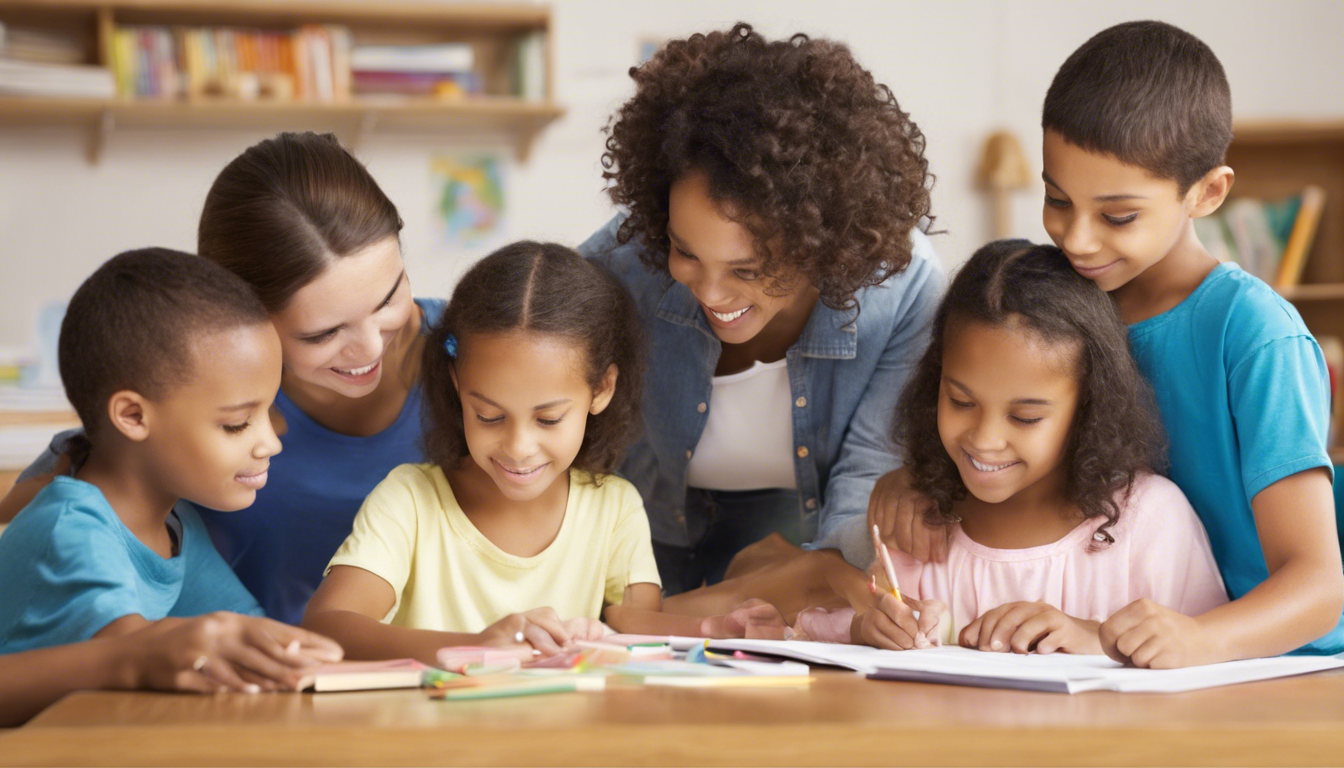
(504, 142)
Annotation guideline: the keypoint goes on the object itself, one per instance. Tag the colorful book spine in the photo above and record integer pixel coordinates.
(1300, 239)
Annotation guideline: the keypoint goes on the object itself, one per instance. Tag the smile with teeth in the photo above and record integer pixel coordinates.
(521, 473)
(357, 371)
(731, 316)
(989, 467)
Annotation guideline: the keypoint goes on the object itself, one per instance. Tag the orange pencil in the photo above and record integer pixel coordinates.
(887, 568)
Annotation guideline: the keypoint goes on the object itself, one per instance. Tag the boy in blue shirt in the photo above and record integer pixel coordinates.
(171, 363)
(1137, 123)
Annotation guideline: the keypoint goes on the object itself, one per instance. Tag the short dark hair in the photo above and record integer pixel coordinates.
(1115, 434)
(814, 158)
(133, 322)
(285, 208)
(549, 289)
(1148, 94)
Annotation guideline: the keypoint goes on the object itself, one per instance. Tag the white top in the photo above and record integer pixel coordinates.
(748, 441)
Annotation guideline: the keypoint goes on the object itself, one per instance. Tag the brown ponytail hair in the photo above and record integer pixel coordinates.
(286, 207)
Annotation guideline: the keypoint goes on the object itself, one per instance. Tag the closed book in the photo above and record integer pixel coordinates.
(446, 57)
(364, 675)
(1299, 241)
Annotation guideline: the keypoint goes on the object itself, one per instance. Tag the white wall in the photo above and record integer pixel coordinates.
(962, 69)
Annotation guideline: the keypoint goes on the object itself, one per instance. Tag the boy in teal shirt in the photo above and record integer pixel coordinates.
(172, 364)
(1137, 123)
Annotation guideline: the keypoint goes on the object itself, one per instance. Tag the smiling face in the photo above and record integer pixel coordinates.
(525, 406)
(716, 259)
(1006, 404)
(337, 329)
(1113, 220)
(210, 440)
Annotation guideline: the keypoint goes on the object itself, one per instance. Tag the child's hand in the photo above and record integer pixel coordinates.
(1027, 627)
(223, 651)
(584, 628)
(891, 624)
(754, 619)
(540, 627)
(898, 512)
(1149, 635)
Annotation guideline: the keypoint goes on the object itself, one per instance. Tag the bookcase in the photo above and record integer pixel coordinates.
(1274, 159)
(507, 42)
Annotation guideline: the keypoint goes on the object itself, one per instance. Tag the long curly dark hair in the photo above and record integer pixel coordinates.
(549, 289)
(1116, 433)
(804, 149)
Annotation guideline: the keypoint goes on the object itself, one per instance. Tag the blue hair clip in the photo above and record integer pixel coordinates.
(450, 346)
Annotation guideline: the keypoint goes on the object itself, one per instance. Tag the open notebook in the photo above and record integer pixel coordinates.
(1061, 673)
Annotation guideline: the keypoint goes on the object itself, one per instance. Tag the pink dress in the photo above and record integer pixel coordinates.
(1160, 552)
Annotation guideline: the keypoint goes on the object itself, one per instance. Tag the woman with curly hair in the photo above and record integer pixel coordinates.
(775, 193)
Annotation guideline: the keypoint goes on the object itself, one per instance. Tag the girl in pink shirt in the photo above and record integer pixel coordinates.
(1031, 429)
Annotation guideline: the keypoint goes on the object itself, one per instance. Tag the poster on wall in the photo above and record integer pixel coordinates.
(469, 198)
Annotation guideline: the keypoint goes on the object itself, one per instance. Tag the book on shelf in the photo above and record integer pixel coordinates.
(441, 58)
(310, 63)
(39, 62)
(443, 70)
(528, 67)
(1269, 239)
(40, 46)
(23, 78)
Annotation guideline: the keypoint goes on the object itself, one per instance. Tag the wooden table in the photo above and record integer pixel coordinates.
(843, 719)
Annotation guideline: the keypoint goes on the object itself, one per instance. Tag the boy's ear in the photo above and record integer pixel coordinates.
(606, 389)
(1210, 191)
(128, 412)
(452, 374)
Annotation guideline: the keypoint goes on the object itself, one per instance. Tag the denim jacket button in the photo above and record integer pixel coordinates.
(688, 454)
(802, 451)
(801, 402)
(702, 407)
(811, 504)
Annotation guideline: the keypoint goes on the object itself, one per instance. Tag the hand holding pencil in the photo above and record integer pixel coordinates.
(895, 621)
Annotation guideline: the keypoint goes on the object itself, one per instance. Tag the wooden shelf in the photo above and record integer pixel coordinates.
(488, 27)
(1313, 292)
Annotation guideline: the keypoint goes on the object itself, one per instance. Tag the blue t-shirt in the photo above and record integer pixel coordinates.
(1244, 393)
(281, 544)
(70, 567)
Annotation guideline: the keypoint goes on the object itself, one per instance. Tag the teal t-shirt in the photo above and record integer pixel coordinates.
(70, 567)
(1244, 394)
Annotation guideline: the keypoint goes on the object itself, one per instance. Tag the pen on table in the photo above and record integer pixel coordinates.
(887, 568)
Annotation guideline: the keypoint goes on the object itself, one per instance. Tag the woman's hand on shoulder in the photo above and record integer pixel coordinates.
(222, 651)
(1026, 627)
(898, 511)
(24, 491)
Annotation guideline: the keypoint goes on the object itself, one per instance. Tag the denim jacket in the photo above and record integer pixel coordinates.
(845, 378)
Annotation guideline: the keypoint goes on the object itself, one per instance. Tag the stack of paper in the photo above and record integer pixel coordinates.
(1062, 673)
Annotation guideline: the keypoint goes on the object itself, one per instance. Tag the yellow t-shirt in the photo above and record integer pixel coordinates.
(449, 577)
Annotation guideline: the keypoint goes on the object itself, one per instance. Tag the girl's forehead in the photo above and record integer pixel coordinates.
(348, 287)
(533, 358)
(1010, 348)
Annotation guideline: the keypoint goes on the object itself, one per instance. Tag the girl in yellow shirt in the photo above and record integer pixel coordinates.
(515, 532)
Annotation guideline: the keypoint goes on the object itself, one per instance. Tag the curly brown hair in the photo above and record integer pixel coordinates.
(1115, 434)
(799, 143)
(549, 289)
